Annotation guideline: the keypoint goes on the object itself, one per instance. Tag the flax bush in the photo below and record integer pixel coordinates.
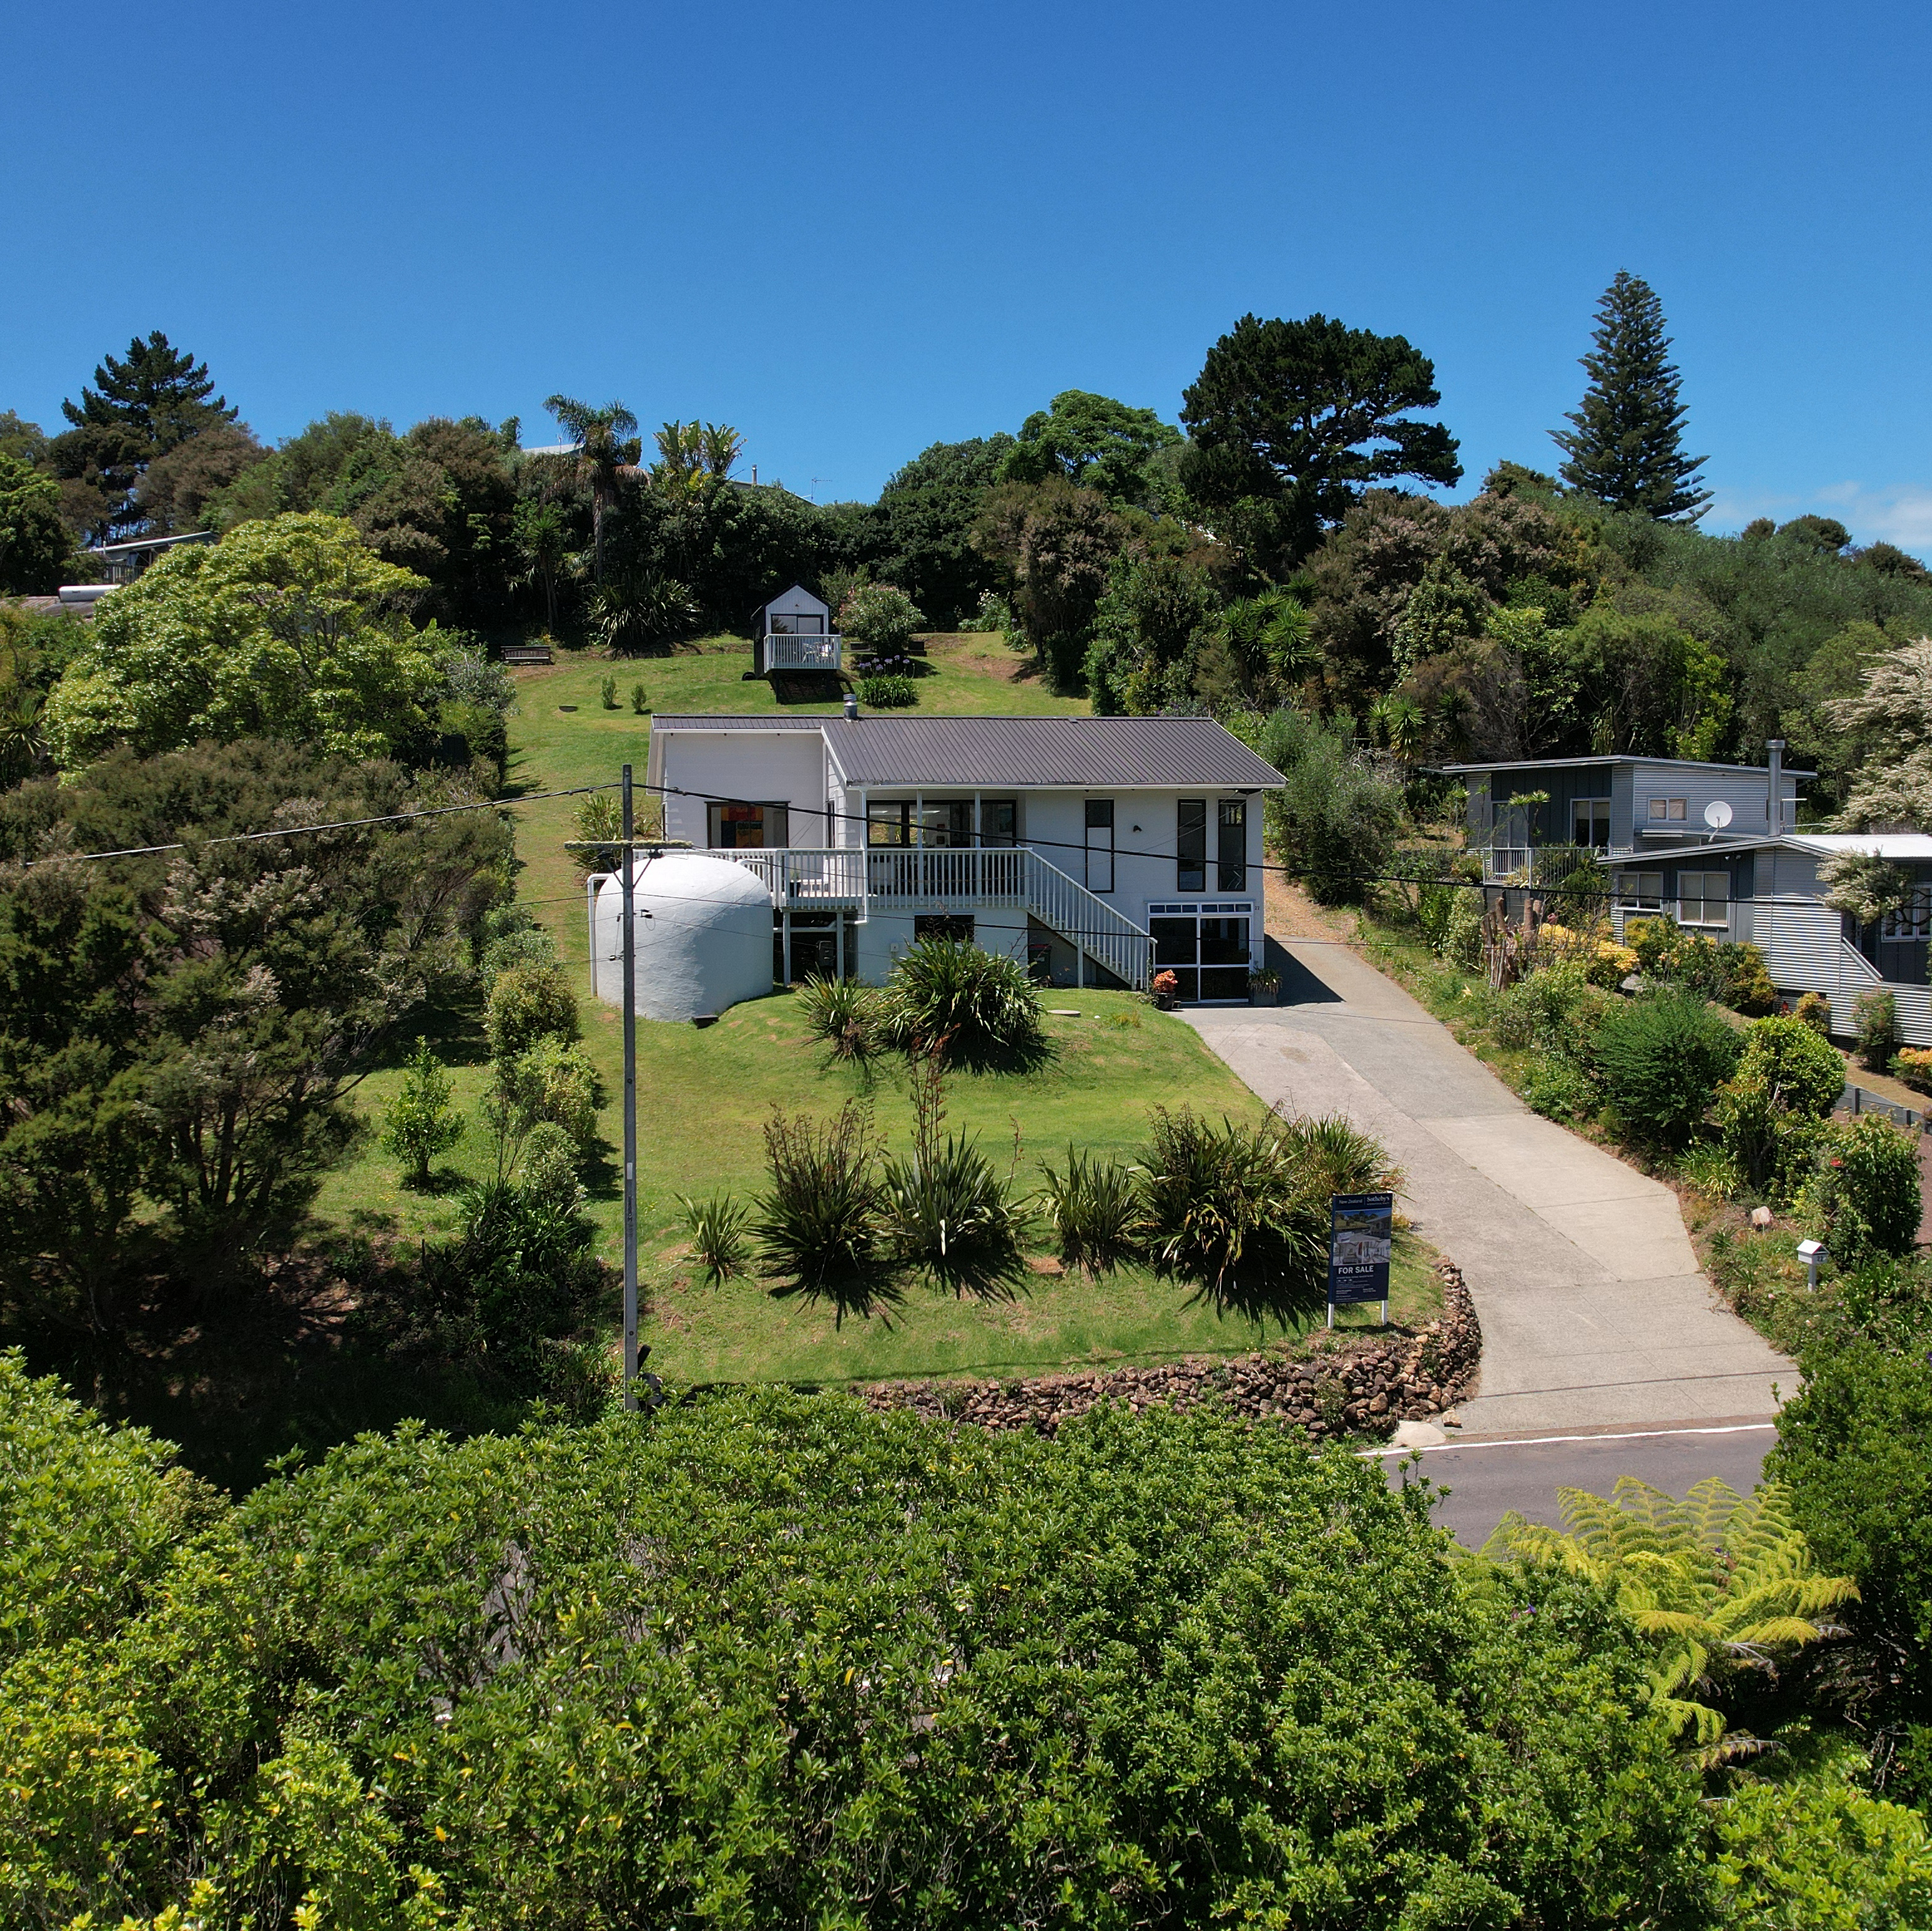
(1094, 1207)
(972, 1006)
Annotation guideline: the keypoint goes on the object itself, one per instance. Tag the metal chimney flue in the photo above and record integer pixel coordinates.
(1774, 801)
(852, 704)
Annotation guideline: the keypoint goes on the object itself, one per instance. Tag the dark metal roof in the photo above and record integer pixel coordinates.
(1619, 757)
(1075, 753)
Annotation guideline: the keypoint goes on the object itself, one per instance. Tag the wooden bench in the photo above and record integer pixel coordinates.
(527, 653)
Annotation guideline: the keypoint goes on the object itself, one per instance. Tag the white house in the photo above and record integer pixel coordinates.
(1101, 850)
(793, 632)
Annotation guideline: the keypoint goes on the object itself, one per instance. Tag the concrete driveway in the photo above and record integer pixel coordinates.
(1594, 1313)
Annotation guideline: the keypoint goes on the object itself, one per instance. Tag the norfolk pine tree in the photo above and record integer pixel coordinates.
(1626, 449)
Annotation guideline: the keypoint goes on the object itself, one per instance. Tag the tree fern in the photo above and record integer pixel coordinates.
(1720, 1584)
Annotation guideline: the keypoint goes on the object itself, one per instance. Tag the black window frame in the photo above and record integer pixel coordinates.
(1190, 844)
(1231, 874)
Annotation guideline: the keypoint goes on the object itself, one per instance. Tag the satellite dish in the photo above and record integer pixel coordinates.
(1717, 814)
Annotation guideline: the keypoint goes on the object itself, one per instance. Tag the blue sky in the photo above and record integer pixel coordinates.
(853, 230)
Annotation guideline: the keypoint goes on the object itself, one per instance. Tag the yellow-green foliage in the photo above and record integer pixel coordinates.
(1720, 1583)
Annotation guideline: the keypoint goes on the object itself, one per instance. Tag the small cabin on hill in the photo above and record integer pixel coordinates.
(793, 632)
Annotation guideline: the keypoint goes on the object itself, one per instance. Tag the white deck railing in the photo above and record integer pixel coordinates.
(949, 879)
(784, 651)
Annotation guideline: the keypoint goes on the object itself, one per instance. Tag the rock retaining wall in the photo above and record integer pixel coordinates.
(1350, 1384)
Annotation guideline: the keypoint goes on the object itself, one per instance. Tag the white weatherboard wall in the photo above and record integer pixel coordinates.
(760, 767)
(703, 929)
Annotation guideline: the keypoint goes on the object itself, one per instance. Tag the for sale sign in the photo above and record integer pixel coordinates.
(1361, 1233)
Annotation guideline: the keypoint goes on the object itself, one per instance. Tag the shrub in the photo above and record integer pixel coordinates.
(843, 1013)
(557, 1081)
(1913, 1064)
(1768, 1145)
(820, 1221)
(948, 996)
(420, 1123)
(1815, 1010)
(1865, 1199)
(1747, 986)
(888, 691)
(607, 692)
(1854, 1448)
(1335, 821)
(1711, 1170)
(718, 1237)
(880, 618)
(948, 1213)
(1231, 1210)
(1804, 1071)
(528, 1003)
(1660, 1059)
(1819, 1852)
(1559, 1090)
(640, 699)
(512, 938)
(1094, 1207)
(1435, 907)
(1462, 933)
(1655, 942)
(1875, 1020)
(548, 1167)
(1609, 964)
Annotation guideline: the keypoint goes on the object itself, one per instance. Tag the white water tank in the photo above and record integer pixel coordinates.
(704, 935)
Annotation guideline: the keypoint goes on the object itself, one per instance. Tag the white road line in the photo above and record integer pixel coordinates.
(1546, 1440)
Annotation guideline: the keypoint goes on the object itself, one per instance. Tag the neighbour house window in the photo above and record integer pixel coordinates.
(1590, 823)
(1640, 892)
(1704, 898)
(1913, 920)
(744, 826)
(1190, 844)
(1667, 810)
(1231, 860)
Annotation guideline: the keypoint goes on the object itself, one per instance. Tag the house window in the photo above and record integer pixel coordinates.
(999, 821)
(1704, 898)
(742, 826)
(1231, 860)
(888, 822)
(1590, 823)
(1100, 844)
(942, 823)
(1913, 920)
(1640, 892)
(1667, 810)
(1190, 844)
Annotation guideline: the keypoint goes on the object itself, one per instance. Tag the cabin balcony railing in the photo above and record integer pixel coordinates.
(786, 652)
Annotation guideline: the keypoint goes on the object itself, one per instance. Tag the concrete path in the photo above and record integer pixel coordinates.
(1594, 1311)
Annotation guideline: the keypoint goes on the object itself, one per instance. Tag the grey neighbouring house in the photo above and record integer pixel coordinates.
(1100, 850)
(1701, 842)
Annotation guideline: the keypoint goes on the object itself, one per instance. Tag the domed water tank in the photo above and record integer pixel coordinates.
(703, 938)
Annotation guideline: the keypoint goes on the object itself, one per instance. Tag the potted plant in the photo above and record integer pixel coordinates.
(1264, 987)
(1166, 985)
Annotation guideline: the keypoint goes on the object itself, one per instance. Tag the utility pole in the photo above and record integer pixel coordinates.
(630, 864)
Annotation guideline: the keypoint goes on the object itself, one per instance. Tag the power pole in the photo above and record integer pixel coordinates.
(630, 863)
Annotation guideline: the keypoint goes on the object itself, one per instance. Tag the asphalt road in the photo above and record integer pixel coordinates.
(1483, 1480)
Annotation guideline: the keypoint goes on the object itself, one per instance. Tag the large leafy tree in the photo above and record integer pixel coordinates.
(292, 629)
(1290, 422)
(1626, 448)
(606, 442)
(1095, 442)
(33, 540)
(919, 534)
(183, 1026)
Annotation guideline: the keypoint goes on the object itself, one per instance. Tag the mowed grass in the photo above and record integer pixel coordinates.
(704, 1096)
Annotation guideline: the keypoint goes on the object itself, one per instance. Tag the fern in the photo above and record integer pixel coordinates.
(1721, 1585)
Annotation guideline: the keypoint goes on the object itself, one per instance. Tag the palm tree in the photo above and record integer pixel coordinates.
(606, 441)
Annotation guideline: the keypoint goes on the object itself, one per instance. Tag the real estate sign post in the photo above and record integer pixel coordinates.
(1361, 1232)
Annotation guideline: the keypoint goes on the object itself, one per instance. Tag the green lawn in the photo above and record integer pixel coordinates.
(704, 1095)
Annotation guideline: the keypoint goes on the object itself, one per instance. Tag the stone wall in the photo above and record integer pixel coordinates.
(1350, 1384)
